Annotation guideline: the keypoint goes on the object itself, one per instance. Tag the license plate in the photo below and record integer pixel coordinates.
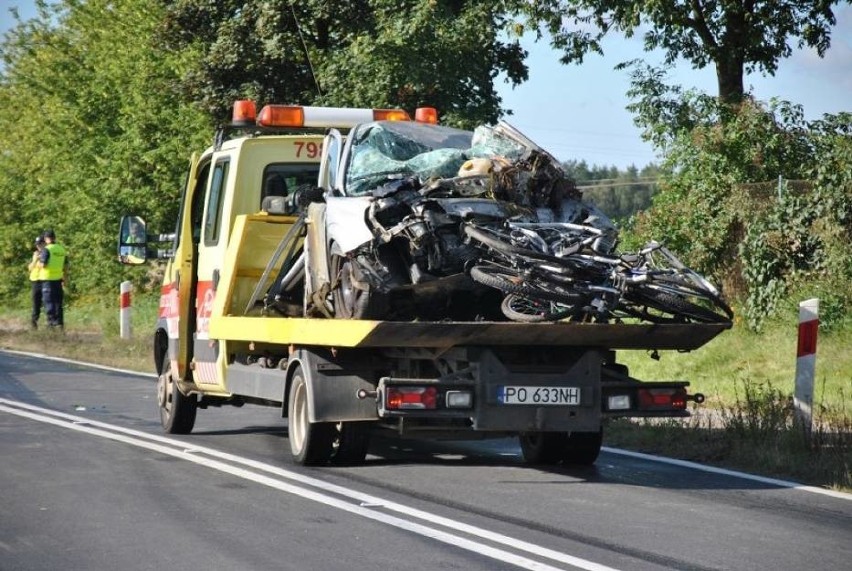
(539, 395)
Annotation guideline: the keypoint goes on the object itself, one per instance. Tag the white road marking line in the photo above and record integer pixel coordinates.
(177, 449)
(726, 472)
(81, 363)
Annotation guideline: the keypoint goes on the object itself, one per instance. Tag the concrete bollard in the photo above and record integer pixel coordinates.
(803, 397)
(124, 311)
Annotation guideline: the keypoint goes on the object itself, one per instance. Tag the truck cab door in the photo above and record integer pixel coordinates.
(177, 306)
(213, 241)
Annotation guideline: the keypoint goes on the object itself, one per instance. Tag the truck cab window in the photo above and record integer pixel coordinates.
(197, 208)
(213, 216)
(288, 179)
(274, 185)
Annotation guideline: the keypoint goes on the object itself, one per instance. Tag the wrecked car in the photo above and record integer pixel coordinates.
(389, 239)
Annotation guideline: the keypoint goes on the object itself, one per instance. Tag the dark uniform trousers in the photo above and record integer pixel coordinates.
(53, 297)
(37, 297)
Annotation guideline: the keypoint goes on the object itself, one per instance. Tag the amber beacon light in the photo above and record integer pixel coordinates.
(244, 112)
(426, 115)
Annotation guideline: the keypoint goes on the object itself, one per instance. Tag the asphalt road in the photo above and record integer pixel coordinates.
(89, 482)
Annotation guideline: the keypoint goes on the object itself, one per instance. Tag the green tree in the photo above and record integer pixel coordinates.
(734, 36)
(721, 207)
(92, 125)
(368, 53)
(704, 173)
(620, 194)
(102, 101)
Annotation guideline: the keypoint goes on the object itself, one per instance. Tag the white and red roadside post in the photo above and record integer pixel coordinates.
(124, 311)
(803, 397)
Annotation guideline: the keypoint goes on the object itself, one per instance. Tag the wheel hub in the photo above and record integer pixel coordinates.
(163, 386)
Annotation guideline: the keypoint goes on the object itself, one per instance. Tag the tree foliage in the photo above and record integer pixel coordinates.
(619, 194)
(92, 126)
(720, 205)
(102, 101)
(368, 53)
(734, 36)
(801, 245)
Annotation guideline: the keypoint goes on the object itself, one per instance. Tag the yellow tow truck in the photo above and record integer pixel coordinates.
(276, 293)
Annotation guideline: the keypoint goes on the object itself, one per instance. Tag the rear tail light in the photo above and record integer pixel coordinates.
(401, 398)
(662, 399)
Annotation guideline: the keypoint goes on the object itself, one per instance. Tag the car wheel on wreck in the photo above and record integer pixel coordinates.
(352, 294)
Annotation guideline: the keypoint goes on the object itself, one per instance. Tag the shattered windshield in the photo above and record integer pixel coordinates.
(389, 150)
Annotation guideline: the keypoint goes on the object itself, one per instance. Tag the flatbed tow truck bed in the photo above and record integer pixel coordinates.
(262, 236)
(361, 333)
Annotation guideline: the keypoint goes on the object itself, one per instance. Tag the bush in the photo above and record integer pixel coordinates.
(719, 208)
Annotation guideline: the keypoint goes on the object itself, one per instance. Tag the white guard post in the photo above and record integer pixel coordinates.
(806, 362)
(124, 312)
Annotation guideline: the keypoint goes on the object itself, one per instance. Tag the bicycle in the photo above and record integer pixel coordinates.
(554, 271)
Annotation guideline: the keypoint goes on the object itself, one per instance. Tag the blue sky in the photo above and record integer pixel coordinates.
(578, 112)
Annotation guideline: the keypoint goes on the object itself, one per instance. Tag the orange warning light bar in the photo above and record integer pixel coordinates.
(426, 115)
(244, 113)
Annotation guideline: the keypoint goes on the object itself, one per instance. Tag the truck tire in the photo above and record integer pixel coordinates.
(177, 411)
(310, 443)
(582, 448)
(545, 448)
(353, 440)
(549, 448)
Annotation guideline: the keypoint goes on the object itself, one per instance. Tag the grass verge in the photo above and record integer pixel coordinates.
(758, 434)
(747, 424)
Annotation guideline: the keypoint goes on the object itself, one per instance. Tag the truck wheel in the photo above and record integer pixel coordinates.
(310, 443)
(177, 411)
(353, 440)
(582, 448)
(543, 447)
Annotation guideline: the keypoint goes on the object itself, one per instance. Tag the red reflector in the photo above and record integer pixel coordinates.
(411, 397)
(807, 338)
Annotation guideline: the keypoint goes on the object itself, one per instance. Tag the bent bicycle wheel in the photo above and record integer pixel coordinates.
(503, 244)
(708, 301)
(657, 306)
(526, 310)
(510, 282)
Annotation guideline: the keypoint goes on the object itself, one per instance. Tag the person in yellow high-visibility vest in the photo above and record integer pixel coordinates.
(55, 263)
(37, 274)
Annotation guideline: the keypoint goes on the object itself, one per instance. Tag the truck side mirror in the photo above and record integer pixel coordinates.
(311, 194)
(132, 241)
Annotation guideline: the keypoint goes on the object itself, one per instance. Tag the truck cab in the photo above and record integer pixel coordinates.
(259, 163)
